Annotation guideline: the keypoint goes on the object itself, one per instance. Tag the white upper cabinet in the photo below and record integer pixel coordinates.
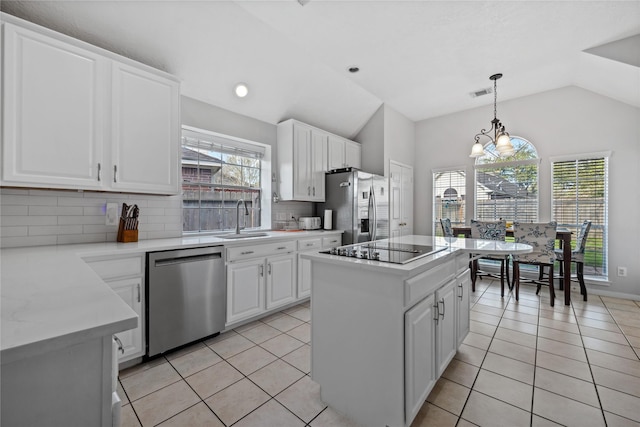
(145, 131)
(302, 152)
(342, 153)
(78, 117)
(53, 112)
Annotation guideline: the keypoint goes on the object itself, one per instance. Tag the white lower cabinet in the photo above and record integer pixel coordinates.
(130, 342)
(420, 365)
(304, 265)
(245, 289)
(446, 341)
(463, 289)
(281, 280)
(125, 275)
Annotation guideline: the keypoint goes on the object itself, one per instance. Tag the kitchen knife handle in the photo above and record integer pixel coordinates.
(99, 171)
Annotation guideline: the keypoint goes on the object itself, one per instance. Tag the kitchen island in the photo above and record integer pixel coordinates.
(382, 333)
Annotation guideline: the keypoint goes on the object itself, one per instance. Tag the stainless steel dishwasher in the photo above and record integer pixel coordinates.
(186, 297)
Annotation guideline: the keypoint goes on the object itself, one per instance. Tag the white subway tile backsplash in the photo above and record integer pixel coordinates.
(55, 210)
(29, 220)
(12, 242)
(14, 231)
(13, 199)
(14, 209)
(34, 217)
(81, 219)
(82, 238)
(49, 230)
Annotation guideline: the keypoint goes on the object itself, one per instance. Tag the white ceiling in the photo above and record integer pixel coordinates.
(421, 58)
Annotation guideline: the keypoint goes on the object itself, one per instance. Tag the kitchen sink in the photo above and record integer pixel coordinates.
(242, 235)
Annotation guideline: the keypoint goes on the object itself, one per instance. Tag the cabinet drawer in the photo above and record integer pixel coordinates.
(254, 251)
(427, 282)
(307, 244)
(112, 268)
(332, 241)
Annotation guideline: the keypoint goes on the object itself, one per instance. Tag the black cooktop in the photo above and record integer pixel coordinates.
(396, 253)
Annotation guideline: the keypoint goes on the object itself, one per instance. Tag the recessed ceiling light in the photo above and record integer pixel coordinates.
(241, 90)
(353, 69)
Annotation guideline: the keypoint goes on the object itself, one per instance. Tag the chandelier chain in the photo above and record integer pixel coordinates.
(495, 99)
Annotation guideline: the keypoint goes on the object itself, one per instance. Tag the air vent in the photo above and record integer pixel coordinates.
(481, 92)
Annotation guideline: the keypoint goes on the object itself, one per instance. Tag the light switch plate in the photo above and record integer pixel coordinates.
(111, 217)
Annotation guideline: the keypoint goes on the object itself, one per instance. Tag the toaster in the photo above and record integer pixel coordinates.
(309, 222)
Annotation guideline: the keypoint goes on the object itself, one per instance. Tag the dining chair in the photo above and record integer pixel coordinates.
(542, 237)
(490, 230)
(577, 256)
(447, 230)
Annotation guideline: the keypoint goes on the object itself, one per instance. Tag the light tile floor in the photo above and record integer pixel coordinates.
(524, 363)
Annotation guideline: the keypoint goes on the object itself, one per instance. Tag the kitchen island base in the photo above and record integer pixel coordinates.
(382, 336)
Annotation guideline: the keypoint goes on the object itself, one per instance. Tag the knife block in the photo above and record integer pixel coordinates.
(126, 236)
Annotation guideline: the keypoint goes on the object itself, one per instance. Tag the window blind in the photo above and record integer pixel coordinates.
(580, 192)
(449, 196)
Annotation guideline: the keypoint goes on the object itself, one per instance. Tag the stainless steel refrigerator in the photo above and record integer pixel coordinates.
(359, 203)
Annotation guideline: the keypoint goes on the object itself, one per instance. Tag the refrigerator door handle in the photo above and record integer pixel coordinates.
(372, 213)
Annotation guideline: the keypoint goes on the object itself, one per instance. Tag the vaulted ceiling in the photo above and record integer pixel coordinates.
(421, 58)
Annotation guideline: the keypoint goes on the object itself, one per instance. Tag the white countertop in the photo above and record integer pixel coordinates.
(50, 298)
(453, 245)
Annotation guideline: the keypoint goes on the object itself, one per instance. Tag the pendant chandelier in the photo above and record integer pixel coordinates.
(500, 137)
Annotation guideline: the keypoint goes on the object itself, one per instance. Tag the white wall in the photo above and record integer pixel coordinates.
(564, 121)
(399, 139)
(388, 135)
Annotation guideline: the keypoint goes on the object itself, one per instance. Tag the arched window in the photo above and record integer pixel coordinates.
(507, 187)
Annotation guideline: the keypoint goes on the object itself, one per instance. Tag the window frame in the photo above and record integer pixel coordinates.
(436, 228)
(507, 164)
(606, 156)
(242, 145)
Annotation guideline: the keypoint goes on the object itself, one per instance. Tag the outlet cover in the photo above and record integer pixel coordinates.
(111, 217)
(622, 271)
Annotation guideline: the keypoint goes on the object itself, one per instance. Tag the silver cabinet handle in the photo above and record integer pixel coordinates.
(120, 345)
(443, 307)
(115, 173)
(262, 271)
(279, 248)
(246, 253)
(461, 291)
(308, 191)
(436, 310)
(138, 292)
(99, 172)
(314, 190)
(269, 269)
(309, 244)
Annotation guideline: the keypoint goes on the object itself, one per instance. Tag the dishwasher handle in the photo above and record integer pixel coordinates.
(188, 258)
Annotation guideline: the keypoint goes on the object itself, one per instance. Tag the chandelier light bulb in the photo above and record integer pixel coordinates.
(477, 150)
(503, 143)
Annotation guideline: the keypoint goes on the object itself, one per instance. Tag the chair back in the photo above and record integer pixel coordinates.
(541, 235)
(489, 230)
(581, 243)
(447, 230)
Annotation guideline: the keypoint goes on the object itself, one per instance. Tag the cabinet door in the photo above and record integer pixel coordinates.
(352, 154)
(245, 289)
(318, 164)
(145, 131)
(304, 277)
(446, 344)
(419, 330)
(281, 280)
(301, 162)
(463, 284)
(335, 153)
(52, 111)
(130, 290)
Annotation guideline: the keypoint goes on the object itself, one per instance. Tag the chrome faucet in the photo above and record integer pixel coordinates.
(246, 212)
